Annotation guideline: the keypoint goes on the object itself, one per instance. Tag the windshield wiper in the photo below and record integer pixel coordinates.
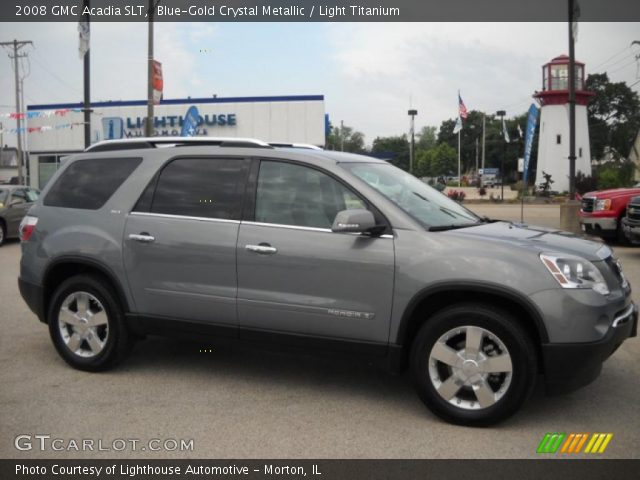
(453, 226)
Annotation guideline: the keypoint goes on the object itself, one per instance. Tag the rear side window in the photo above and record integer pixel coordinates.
(88, 184)
(201, 187)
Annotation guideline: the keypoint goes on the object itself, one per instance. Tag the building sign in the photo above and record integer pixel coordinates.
(164, 125)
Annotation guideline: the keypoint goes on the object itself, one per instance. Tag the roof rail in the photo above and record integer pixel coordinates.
(159, 142)
(304, 146)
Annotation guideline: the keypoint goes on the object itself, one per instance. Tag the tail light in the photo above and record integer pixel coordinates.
(27, 227)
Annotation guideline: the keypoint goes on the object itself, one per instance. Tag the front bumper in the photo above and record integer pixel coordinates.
(631, 229)
(569, 366)
(33, 295)
(598, 225)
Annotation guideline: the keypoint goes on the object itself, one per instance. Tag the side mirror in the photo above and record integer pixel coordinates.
(354, 221)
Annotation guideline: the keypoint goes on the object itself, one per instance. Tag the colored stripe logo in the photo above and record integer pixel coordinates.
(573, 443)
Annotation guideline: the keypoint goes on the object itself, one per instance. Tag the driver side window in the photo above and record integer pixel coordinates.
(289, 194)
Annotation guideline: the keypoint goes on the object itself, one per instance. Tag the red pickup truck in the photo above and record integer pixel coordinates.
(601, 212)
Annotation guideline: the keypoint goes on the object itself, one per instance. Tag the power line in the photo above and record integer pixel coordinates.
(617, 62)
(624, 66)
(54, 75)
(610, 58)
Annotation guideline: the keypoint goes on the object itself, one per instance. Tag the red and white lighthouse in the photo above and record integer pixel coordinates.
(553, 144)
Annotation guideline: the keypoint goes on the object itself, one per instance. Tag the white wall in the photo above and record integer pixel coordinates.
(554, 158)
(276, 121)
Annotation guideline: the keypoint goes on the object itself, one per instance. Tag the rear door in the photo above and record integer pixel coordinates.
(180, 242)
(296, 276)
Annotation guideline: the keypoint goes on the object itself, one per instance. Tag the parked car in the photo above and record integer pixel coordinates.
(242, 241)
(15, 201)
(631, 223)
(601, 212)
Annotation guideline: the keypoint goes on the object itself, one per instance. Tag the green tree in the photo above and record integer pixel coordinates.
(614, 117)
(426, 138)
(444, 160)
(439, 160)
(397, 149)
(352, 140)
(614, 122)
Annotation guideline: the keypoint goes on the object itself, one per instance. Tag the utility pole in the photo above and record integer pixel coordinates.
(341, 135)
(412, 146)
(476, 155)
(149, 124)
(17, 45)
(501, 114)
(484, 118)
(87, 81)
(572, 102)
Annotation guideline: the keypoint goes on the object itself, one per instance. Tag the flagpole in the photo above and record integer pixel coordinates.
(459, 178)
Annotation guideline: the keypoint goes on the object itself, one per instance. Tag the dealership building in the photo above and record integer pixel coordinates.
(56, 130)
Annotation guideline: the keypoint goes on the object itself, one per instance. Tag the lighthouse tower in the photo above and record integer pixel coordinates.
(553, 144)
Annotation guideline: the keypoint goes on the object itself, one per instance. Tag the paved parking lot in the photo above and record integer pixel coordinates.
(238, 403)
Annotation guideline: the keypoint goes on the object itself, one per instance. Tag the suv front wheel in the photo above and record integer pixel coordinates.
(473, 364)
(86, 324)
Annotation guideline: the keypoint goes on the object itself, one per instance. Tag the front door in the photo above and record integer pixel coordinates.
(180, 241)
(296, 276)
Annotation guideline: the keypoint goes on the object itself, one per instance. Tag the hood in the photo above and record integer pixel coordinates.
(614, 192)
(532, 238)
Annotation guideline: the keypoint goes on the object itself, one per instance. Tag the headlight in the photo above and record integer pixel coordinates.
(603, 204)
(574, 272)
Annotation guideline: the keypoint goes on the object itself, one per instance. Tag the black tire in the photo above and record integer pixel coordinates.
(117, 342)
(3, 232)
(621, 238)
(502, 326)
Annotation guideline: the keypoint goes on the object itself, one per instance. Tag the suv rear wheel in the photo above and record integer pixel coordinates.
(86, 324)
(473, 364)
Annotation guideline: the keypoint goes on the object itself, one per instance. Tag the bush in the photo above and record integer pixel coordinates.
(586, 183)
(609, 178)
(457, 195)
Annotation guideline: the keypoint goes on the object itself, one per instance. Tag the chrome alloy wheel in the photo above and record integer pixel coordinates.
(83, 323)
(470, 367)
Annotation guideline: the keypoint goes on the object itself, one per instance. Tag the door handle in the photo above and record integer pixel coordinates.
(143, 237)
(263, 249)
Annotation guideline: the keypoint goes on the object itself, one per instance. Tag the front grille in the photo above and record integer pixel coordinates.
(587, 204)
(633, 211)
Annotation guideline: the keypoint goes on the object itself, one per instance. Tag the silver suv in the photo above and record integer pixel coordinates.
(239, 240)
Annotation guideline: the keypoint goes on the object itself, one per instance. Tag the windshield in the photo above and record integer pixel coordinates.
(430, 207)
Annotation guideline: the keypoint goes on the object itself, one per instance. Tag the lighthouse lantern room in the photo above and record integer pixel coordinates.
(553, 143)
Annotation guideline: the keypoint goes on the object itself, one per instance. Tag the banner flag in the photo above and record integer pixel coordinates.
(532, 120)
(84, 34)
(158, 83)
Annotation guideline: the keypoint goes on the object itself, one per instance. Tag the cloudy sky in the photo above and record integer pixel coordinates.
(368, 72)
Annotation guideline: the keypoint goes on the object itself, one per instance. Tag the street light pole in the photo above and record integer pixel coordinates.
(501, 114)
(412, 147)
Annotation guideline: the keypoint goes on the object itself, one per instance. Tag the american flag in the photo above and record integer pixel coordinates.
(462, 110)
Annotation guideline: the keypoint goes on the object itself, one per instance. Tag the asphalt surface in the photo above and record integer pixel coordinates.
(236, 403)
